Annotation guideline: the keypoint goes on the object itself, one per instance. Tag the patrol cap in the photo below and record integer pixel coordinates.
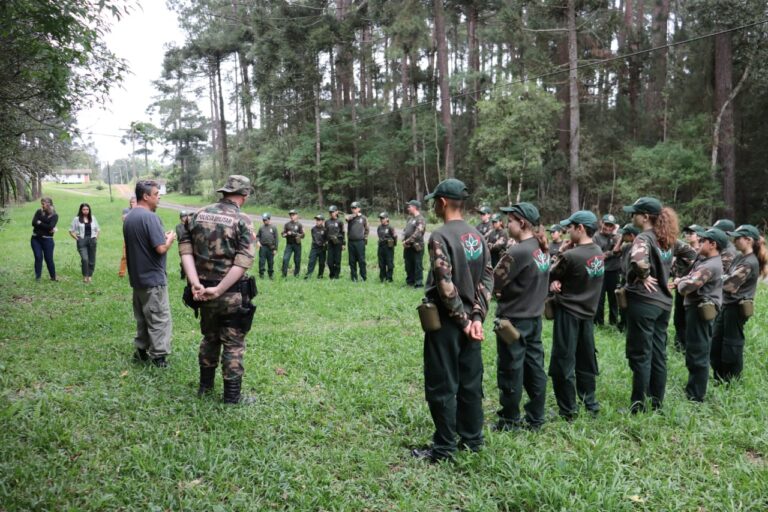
(717, 236)
(525, 210)
(414, 203)
(629, 229)
(555, 227)
(694, 228)
(319, 216)
(649, 205)
(583, 217)
(746, 230)
(293, 212)
(183, 213)
(266, 216)
(333, 208)
(450, 189)
(495, 217)
(609, 219)
(383, 215)
(237, 184)
(724, 225)
(354, 204)
(484, 210)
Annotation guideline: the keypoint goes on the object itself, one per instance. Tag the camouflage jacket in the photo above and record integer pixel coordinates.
(728, 255)
(646, 259)
(497, 240)
(684, 256)
(741, 281)
(414, 231)
(293, 232)
(219, 236)
(704, 283)
(484, 228)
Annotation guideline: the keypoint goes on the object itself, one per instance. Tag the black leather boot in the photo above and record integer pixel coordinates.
(232, 392)
(207, 377)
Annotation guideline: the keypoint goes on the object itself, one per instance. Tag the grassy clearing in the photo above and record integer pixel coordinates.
(337, 370)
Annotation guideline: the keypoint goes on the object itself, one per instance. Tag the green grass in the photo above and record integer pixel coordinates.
(337, 369)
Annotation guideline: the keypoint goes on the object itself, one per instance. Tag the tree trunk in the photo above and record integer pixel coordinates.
(445, 99)
(222, 122)
(633, 41)
(573, 89)
(658, 75)
(474, 61)
(317, 146)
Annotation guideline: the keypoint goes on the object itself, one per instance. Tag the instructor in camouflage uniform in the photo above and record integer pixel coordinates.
(217, 249)
(413, 245)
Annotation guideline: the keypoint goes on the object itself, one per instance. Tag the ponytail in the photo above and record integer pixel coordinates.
(666, 226)
(758, 247)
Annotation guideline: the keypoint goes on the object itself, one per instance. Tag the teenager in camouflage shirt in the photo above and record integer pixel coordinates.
(497, 239)
(413, 245)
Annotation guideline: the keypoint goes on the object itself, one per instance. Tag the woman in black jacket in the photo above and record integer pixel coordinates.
(43, 228)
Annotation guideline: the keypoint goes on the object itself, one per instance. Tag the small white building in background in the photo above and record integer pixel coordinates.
(161, 185)
(70, 176)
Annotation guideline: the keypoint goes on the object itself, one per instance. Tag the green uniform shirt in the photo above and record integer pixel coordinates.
(704, 283)
(414, 230)
(385, 234)
(741, 281)
(580, 271)
(648, 259)
(521, 281)
(267, 237)
(334, 231)
(357, 228)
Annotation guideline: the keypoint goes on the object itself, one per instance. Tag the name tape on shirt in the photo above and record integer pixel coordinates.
(215, 218)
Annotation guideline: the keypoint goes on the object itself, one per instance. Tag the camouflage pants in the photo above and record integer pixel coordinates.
(217, 336)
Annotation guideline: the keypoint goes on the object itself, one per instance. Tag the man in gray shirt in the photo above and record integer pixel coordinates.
(146, 245)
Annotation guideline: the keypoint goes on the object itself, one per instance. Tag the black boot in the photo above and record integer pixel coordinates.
(207, 376)
(232, 392)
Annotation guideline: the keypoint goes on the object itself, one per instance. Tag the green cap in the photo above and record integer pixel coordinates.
(485, 210)
(183, 213)
(724, 225)
(450, 189)
(383, 215)
(609, 219)
(293, 212)
(649, 205)
(746, 230)
(555, 227)
(717, 236)
(237, 184)
(333, 208)
(319, 216)
(694, 228)
(495, 217)
(629, 229)
(414, 203)
(583, 217)
(266, 216)
(525, 210)
(354, 204)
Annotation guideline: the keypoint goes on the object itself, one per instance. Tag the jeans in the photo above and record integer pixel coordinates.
(87, 249)
(42, 247)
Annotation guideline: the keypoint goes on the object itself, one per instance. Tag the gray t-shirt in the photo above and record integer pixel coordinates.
(142, 232)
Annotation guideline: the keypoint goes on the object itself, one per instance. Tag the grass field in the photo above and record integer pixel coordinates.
(337, 371)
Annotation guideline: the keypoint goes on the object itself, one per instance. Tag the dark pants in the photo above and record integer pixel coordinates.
(573, 364)
(42, 248)
(698, 344)
(294, 249)
(357, 259)
(266, 258)
(453, 386)
(414, 266)
(727, 354)
(334, 261)
(679, 321)
(521, 364)
(87, 249)
(495, 257)
(316, 254)
(647, 353)
(386, 262)
(610, 281)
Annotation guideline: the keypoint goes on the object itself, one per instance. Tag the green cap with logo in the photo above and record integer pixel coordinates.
(449, 189)
(746, 230)
(609, 219)
(319, 216)
(237, 184)
(354, 204)
(266, 216)
(583, 217)
(629, 229)
(293, 212)
(694, 228)
(717, 236)
(485, 210)
(183, 213)
(555, 228)
(383, 215)
(526, 211)
(724, 225)
(649, 205)
(495, 217)
(333, 208)
(414, 203)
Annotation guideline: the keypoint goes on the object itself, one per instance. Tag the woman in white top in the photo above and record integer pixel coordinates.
(85, 230)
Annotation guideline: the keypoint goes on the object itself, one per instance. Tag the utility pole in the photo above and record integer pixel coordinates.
(109, 180)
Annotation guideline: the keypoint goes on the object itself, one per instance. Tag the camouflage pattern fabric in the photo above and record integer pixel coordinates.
(218, 336)
(738, 276)
(684, 255)
(413, 234)
(484, 228)
(728, 255)
(695, 280)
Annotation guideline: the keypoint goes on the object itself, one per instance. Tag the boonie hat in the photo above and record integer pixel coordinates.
(525, 210)
(484, 210)
(747, 230)
(333, 208)
(237, 184)
(450, 189)
(649, 205)
(583, 217)
(724, 225)
(266, 216)
(717, 236)
(383, 215)
(609, 219)
(354, 204)
(555, 227)
(415, 203)
(629, 229)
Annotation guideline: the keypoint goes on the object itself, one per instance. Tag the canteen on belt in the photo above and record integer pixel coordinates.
(707, 311)
(507, 332)
(429, 316)
(747, 308)
(621, 297)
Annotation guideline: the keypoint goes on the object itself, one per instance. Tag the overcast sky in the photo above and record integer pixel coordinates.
(139, 38)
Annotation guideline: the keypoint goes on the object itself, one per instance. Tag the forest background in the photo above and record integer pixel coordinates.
(569, 104)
